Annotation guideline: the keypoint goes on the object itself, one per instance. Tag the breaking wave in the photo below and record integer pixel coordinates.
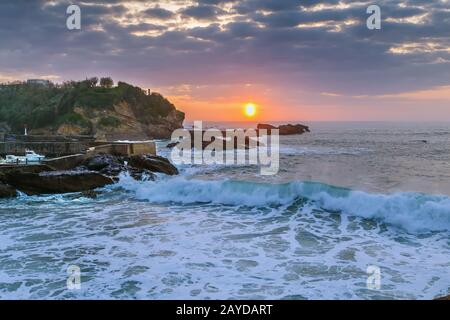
(415, 212)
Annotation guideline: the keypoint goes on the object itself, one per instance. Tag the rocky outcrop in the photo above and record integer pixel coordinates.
(113, 166)
(153, 164)
(70, 130)
(288, 129)
(443, 298)
(122, 112)
(293, 129)
(91, 173)
(264, 126)
(7, 191)
(125, 121)
(56, 181)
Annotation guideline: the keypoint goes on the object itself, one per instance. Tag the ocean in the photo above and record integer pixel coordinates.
(348, 196)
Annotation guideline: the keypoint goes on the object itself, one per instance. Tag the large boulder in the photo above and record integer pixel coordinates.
(153, 164)
(56, 181)
(7, 191)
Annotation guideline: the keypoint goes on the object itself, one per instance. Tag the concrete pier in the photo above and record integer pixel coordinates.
(60, 146)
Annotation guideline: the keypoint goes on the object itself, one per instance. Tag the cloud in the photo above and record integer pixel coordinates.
(321, 45)
(159, 13)
(202, 12)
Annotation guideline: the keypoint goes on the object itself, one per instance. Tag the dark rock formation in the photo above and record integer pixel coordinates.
(113, 166)
(153, 164)
(101, 161)
(293, 129)
(95, 172)
(7, 191)
(56, 181)
(265, 126)
(284, 130)
(141, 174)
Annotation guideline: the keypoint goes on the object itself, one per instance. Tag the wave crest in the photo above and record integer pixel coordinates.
(414, 212)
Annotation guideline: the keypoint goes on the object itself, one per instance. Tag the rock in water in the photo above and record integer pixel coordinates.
(141, 174)
(153, 164)
(284, 130)
(56, 181)
(293, 129)
(265, 126)
(7, 191)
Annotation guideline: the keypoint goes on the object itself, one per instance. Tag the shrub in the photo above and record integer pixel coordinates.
(109, 121)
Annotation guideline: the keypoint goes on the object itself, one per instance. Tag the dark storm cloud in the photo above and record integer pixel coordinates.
(202, 12)
(335, 53)
(159, 13)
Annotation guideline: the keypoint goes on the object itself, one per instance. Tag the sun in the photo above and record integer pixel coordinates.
(250, 110)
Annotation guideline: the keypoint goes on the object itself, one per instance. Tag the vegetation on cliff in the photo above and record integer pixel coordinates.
(89, 105)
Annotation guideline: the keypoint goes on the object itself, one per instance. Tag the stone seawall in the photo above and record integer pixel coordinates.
(49, 149)
(52, 149)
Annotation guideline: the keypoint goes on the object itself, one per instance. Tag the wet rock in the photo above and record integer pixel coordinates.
(56, 181)
(101, 161)
(264, 126)
(141, 174)
(153, 164)
(113, 170)
(288, 129)
(293, 129)
(7, 191)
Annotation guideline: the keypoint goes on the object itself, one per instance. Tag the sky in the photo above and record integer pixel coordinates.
(296, 60)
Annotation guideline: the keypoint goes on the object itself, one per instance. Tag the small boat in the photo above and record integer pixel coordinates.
(11, 159)
(30, 157)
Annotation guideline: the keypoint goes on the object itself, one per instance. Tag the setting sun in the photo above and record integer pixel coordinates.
(250, 110)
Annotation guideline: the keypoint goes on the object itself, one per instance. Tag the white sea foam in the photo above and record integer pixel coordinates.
(414, 212)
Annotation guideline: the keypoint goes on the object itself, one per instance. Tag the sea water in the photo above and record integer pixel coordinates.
(348, 196)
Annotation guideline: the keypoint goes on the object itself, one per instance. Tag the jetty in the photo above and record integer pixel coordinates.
(66, 151)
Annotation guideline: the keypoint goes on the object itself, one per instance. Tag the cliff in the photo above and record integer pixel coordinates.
(84, 108)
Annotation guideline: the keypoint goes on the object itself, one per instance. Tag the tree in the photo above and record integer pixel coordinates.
(106, 82)
(92, 82)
